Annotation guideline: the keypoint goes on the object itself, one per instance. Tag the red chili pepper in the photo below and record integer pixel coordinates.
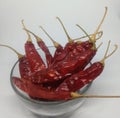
(24, 66)
(45, 49)
(69, 66)
(80, 79)
(38, 92)
(34, 58)
(59, 52)
(68, 47)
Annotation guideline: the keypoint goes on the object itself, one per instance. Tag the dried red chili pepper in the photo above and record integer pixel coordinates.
(59, 48)
(80, 79)
(33, 56)
(69, 66)
(60, 53)
(42, 45)
(24, 66)
(70, 45)
(38, 92)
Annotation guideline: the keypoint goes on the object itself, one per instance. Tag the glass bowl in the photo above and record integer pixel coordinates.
(46, 108)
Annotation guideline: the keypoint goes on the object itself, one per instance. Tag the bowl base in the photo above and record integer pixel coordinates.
(66, 115)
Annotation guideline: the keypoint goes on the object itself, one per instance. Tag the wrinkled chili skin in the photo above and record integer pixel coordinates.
(80, 79)
(58, 55)
(63, 69)
(46, 94)
(85, 44)
(77, 63)
(78, 48)
(72, 49)
(24, 68)
(39, 92)
(45, 76)
(70, 46)
(49, 58)
(34, 58)
(61, 52)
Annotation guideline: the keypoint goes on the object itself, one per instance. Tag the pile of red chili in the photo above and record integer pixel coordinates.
(61, 74)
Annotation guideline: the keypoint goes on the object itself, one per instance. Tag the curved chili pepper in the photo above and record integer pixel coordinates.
(69, 46)
(61, 52)
(34, 58)
(38, 92)
(80, 79)
(45, 49)
(69, 66)
(24, 66)
(59, 48)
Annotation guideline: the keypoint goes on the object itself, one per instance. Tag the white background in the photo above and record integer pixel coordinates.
(87, 13)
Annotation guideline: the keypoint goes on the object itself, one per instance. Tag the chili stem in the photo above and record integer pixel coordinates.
(54, 42)
(94, 35)
(29, 37)
(69, 39)
(76, 95)
(100, 33)
(18, 54)
(37, 38)
(99, 45)
(84, 31)
(106, 55)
